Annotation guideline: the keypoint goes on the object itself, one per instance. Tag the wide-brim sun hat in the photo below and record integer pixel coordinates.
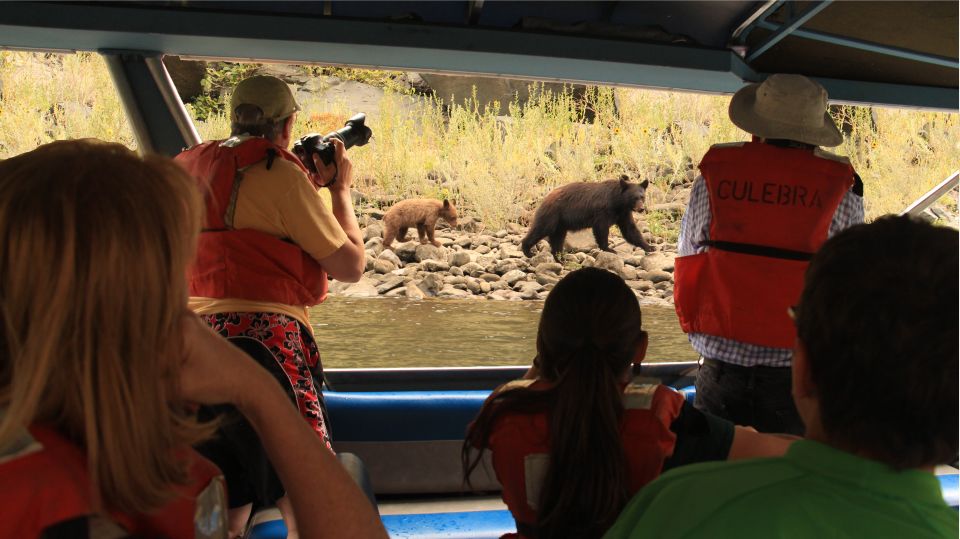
(785, 106)
(270, 94)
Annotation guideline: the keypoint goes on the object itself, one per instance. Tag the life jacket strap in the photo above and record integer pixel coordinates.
(758, 250)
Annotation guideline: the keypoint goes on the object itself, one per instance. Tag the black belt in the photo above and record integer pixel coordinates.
(758, 250)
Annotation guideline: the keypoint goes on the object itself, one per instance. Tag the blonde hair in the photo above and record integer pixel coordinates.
(94, 246)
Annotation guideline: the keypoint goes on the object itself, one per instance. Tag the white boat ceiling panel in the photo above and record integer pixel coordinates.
(676, 45)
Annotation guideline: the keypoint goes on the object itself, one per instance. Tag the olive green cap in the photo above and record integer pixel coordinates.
(270, 94)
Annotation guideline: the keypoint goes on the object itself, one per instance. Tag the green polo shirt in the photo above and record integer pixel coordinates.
(812, 491)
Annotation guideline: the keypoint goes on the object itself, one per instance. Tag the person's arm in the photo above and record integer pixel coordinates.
(347, 262)
(695, 224)
(326, 501)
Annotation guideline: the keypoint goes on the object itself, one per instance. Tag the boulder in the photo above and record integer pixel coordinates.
(473, 285)
(510, 251)
(364, 288)
(628, 273)
(464, 241)
(547, 278)
(485, 287)
(505, 266)
(373, 230)
(407, 251)
(428, 251)
(412, 291)
(472, 269)
(542, 258)
(383, 265)
(482, 249)
(549, 267)
(368, 262)
(431, 284)
(513, 276)
(434, 265)
(490, 277)
(515, 228)
(580, 240)
(375, 245)
(456, 271)
(388, 284)
(390, 256)
(449, 291)
(655, 276)
(459, 258)
(399, 292)
(657, 261)
(640, 285)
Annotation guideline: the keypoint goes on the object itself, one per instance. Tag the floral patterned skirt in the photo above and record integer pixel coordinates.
(295, 352)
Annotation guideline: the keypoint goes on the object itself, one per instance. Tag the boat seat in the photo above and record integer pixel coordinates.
(463, 525)
(409, 440)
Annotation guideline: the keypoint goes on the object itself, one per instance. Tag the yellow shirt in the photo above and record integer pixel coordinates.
(284, 203)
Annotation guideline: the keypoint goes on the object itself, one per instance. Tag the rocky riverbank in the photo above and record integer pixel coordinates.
(475, 263)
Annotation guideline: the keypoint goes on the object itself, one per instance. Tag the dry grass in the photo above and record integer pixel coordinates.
(498, 162)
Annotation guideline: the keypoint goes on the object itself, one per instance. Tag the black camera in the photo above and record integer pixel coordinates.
(353, 133)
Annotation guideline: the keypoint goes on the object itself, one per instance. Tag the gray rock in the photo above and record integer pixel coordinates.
(382, 265)
(364, 288)
(549, 267)
(655, 276)
(609, 261)
(513, 276)
(373, 230)
(368, 262)
(482, 249)
(388, 284)
(529, 293)
(472, 269)
(338, 286)
(469, 224)
(499, 285)
(444, 241)
(633, 260)
(523, 286)
(473, 285)
(500, 233)
(515, 228)
(587, 261)
(374, 244)
(580, 240)
(489, 277)
(507, 252)
(505, 266)
(464, 241)
(483, 239)
(640, 285)
(547, 278)
(407, 251)
(399, 292)
(485, 287)
(427, 251)
(431, 284)
(459, 258)
(664, 285)
(500, 295)
(452, 292)
(657, 261)
(390, 256)
(452, 279)
(628, 273)
(456, 271)
(434, 265)
(413, 291)
(542, 258)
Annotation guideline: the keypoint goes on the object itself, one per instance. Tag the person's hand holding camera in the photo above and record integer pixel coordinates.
(338, 175)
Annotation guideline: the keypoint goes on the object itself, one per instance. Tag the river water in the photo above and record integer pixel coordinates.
(397, 332)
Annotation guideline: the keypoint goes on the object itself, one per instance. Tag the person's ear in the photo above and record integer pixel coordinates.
(641, 351)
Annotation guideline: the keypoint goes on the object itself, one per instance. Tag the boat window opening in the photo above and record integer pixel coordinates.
(47, 96)
(494, 147)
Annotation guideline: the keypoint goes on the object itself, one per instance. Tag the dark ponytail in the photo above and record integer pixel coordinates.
(585, 487)
(588, 334)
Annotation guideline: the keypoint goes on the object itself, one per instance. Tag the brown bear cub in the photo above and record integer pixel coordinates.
(421, 213)
(599, 205)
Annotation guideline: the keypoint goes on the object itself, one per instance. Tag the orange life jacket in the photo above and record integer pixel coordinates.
(771, 208)
(244, 263)
(44, 481)
(520, 445)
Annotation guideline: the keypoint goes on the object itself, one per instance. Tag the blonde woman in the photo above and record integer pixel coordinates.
(101, 363)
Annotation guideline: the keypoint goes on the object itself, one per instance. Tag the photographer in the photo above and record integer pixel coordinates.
(268, 244)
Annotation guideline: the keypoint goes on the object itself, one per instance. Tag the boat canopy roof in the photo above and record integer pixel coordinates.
(900, 54)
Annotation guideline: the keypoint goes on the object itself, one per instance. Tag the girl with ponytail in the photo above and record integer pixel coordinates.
(575, 439)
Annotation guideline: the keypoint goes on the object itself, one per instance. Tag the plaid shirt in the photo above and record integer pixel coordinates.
(695, 228)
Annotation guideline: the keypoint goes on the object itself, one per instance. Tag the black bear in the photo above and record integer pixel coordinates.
(576, 206)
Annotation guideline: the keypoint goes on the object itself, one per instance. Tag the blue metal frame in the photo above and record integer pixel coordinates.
(868, 46)
(753, 21)
(786, 29)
